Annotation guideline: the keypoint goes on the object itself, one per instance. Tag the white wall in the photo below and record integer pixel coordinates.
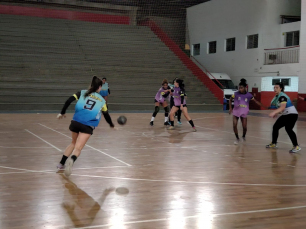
(302, 73)
(221, 19)
(266, 83)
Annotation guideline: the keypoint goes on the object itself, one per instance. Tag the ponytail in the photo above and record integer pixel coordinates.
(95, 84)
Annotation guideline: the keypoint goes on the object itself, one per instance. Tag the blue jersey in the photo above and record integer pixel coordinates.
(88, 109)
(104, 90)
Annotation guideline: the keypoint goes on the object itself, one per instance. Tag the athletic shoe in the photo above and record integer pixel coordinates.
(171, 128)
(243, 139)
(271, 146)
(60, 167)
(68, 169)
(151, 123)
(179, 123)
(194, 129)
(237, 141)
(295, 149)
(166, 124)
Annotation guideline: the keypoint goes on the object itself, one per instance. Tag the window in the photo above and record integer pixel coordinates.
(196, 50)
(230, 44)
(252, 41)
(212, 47)
(286, 81)
(292, 38)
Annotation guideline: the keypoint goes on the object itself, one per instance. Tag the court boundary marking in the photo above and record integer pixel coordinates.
(88, 146)
(197, 216)
(158, 180)
(43, 140)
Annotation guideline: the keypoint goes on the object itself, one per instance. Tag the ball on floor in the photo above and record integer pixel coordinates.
(122, 120)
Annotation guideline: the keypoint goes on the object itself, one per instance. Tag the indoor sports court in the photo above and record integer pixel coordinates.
(137, 176)
(152, 114)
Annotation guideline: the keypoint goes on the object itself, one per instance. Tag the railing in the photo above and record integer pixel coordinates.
(282, 55)
(206, 71)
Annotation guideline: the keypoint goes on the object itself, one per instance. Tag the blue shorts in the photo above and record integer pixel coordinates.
(104, 93)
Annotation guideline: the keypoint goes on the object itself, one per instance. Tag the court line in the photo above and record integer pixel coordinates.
(17, 147)
(192, 182)
(234, 133)
(205, 118)
(87, 145)
(197, 216)
(43, 140)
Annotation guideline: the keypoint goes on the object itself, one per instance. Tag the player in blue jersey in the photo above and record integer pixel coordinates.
(105, 92)
(86, 117)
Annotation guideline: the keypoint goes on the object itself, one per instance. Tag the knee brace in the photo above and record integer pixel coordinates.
(156, 110)
(166, 109)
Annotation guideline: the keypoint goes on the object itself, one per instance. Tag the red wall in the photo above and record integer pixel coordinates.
(64, 14)
(301, 106)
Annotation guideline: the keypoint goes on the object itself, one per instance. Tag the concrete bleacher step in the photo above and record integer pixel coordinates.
(43, 61)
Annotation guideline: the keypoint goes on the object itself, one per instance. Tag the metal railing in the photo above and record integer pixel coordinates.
(282, 55)
(206, 71)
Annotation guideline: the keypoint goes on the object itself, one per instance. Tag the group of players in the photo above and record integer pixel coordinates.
(91, 104)
(281, 104)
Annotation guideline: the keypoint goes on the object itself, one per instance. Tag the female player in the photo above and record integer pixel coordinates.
(178, 93)
(179, 112)
(86, 117)
(105, 92)
(288, 118)
(160, 99)
(242, 100)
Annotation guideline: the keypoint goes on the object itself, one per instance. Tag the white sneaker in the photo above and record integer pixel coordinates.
(68, 168)
(237, 141)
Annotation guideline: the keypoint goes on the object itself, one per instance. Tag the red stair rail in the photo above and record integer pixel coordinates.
(184, 58)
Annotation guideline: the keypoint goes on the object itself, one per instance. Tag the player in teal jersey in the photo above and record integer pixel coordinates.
(105, 92)
(86, 117)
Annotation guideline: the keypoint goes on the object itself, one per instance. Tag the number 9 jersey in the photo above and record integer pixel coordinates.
(88, 109)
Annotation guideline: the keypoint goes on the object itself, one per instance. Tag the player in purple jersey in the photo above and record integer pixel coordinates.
(178, 93)
(160, 99)
(242, 100)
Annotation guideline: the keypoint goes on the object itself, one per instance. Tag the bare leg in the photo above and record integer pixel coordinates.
(80, 143)
(70, 148)
(235, 123)
(244, 126)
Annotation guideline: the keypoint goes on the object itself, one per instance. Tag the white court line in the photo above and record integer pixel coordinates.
(198, 216)
(234, 133)
(87, 145)
(43, 140)
(17, 147)
(205, 118)
(193, 182)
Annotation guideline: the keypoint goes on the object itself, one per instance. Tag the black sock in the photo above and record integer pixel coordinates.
(63, 161)
(243, 136)
(73, 157)
(172, 123)
(237, 136)
(191, 123)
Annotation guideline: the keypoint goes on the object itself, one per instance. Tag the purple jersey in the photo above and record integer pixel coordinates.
(241, 104)
(177, 94)
(161, 95)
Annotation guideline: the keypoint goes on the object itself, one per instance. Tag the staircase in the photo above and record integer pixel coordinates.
(43, 61)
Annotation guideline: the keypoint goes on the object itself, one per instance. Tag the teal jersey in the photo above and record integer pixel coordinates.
(88, 109)
(283, 98)
(104, 87)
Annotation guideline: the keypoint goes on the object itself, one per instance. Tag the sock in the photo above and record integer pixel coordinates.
(191, 123)
(172, 123)
(237, 136)
(152, 119)
(63, 161)
(73, 157)
(166, 119)
(243, 136)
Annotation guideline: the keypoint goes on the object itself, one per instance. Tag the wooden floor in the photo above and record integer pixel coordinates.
(139, 176)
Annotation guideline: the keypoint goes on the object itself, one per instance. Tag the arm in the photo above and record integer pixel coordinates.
(76, 96)
(302, 98)
(107, 117)
(230, 104)
(259, 103)
(182, 97)
(108, 91)
(279, 110)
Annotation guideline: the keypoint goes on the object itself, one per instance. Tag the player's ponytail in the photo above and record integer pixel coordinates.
(95, 84)
(181, 83)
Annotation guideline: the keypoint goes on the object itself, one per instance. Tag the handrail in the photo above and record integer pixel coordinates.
(291, 47)
(192, 57)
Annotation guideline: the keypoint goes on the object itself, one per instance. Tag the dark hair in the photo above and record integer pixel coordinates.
(164, 81)
(104, 78)
(95, 84)
(181, 83)
(243, 82)
(281, 85)
(175, 79)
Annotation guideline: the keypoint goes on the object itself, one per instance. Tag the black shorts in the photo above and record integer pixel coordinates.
(80, 128)
(185, 105)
